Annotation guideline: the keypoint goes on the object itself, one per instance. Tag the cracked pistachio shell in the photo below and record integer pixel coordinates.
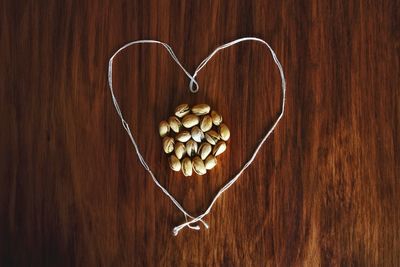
(206, 123)
(212, 137)
(163, 128)
(183, 136)
(198, 166)
(201, 109)
(210, 162)
(191, 148)
(180, 150)
(182, 110)
(174, 163)
(168, 144)
(175, 124)
(190, 120)
(204, 150)
(219, 148)
(187, 167)
(216, 118)
(224, 132)
(197, 134)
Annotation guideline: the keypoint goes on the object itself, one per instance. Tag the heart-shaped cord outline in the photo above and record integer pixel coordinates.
(193, 82)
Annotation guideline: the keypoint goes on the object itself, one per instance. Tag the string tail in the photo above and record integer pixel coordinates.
(188, 224)
(191, 221)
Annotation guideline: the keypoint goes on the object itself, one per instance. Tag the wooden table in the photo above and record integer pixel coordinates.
(323, 191)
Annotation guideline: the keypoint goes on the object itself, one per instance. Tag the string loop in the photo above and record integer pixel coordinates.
(193, 81)
(191, 221)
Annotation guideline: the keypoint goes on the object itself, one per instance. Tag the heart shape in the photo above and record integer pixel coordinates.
(194, 87)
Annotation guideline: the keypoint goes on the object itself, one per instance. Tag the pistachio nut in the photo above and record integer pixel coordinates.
(212, 137)
(163, 128)
(175, 124)
(180, 150)
(197, 134)
(198, 166)
(190, 120)
(187, 167)
(224, 132)
(216, 118)
(183, 136)
(168, 144)
(206, 123)
(201, 109)
(210, 162)
(174, 163)
(182, 110)
(204, 150)
(191, 148)
(219, 148)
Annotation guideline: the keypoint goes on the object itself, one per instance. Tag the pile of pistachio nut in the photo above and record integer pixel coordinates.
(193, 138)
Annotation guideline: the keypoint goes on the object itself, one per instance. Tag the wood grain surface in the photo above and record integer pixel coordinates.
(324, 190)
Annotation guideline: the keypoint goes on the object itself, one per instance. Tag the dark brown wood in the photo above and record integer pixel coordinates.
(322, 192)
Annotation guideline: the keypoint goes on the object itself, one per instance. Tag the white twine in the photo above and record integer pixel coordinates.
(192, 220)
